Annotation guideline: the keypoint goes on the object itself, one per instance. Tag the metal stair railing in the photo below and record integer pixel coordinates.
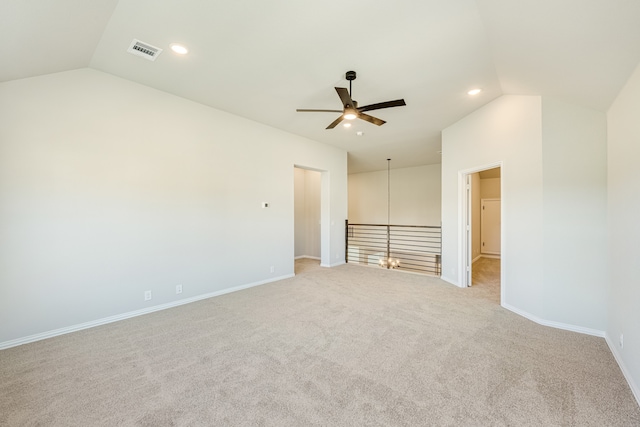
(418, 247)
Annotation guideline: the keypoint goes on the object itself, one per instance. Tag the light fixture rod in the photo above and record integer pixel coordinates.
(388, 191)
(388, 262)
(388, 211)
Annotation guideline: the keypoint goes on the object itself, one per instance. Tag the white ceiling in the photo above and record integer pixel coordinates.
(263, 59)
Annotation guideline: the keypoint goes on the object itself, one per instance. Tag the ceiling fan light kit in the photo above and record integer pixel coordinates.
(350, 113)
(350, 109)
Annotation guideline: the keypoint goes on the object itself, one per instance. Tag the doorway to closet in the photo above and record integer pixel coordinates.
(483, 228)
(307, 215)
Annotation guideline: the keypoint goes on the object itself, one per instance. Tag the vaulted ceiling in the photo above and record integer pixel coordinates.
(263, 59)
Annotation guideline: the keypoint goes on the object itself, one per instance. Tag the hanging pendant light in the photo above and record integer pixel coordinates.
(388, 262)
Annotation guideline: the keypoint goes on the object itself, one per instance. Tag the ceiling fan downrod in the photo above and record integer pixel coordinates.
(351, 76)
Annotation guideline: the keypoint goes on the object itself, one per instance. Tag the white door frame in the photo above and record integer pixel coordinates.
(464, 225)
(464, 215)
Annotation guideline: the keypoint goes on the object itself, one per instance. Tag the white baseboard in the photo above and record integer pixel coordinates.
(62, 331)
(335, 264)
(553, 324)
(476, 259)
(635, 388)
(307, 257)
(451, 281)
(490, 256)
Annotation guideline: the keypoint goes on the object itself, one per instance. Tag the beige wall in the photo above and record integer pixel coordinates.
(506, 130)
(307, 213)
(553, 158)
(574, 167)
(623, 185)
(490, 188)
(109, 188)
(487, 188)
(415, 196)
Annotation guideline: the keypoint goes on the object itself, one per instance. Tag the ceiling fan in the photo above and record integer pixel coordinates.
(350, 109)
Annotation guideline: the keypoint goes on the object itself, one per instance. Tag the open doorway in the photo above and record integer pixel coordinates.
(482, 229)
(309, 216)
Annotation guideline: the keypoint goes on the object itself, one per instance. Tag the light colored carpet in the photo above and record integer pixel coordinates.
(346, 346)
(485, 278)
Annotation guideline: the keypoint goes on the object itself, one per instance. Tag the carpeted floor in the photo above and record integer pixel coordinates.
(346, 346)
(485, 278)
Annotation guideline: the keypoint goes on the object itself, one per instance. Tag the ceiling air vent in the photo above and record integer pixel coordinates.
(144, 49)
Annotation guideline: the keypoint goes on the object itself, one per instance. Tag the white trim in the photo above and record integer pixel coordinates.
(307, 257)
(74, 328)
(463, 210)
(476, 259)
(464, 243)
(554, 324)
(451, 281)
(635, 388)
(335, 264)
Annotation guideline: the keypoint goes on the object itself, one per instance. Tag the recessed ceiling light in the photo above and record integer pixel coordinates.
(179, 49)
(474, 91)
(347, 125)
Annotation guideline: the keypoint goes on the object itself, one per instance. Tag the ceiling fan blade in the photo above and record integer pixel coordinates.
(304, 110)
(335, 122)
(380, 105)
(343, 93)
(371, 119)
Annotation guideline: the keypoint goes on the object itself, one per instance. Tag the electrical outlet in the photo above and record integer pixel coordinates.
(147, 295)
(621, 341)
(178, 289)
(272, 269)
